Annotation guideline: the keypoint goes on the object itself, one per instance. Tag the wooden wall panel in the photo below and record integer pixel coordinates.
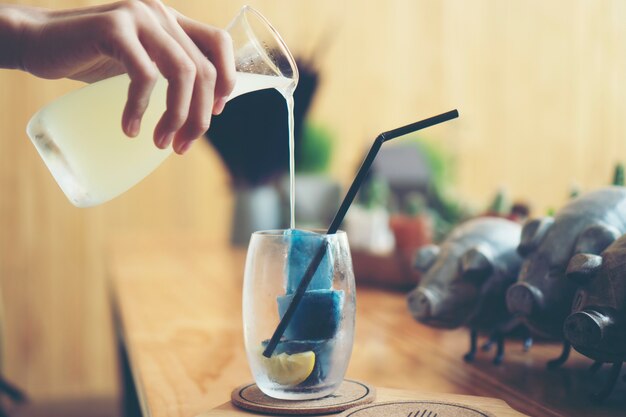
(541, 90)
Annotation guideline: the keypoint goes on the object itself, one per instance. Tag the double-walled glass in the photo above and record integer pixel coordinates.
(312, 356)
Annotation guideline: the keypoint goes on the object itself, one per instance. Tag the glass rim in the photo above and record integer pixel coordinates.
(281, 232)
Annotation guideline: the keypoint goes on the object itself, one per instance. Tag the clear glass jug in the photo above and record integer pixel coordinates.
(79, 135)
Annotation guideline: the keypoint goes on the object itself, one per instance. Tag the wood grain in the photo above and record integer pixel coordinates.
(350, 394)
(539, 85)
(179, 301)
(498, 407)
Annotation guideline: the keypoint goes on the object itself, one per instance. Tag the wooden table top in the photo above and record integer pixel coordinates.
(178, 299)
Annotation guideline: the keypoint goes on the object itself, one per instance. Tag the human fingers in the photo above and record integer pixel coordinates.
(199, 117)
(135, 37)
(143, 76)
(217, 45)
(114, 34)
(202, 100)
(180, 70)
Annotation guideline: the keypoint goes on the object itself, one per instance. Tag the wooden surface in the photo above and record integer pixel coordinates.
(498, 407)
(350, 394)
(179, 303)
(538, 83)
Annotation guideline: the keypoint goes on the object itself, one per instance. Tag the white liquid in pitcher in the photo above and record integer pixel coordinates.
(80, 138)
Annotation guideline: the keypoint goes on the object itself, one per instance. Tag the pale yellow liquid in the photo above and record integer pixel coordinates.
(79, 137)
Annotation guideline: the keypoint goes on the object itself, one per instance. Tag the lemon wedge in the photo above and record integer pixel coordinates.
(285, 369)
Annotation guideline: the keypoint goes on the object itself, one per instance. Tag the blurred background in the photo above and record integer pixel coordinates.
(540, 86)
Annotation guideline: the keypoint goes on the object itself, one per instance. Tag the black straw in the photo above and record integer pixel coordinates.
(341, 213)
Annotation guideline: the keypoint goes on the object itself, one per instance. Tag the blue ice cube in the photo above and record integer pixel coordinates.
(323, 350)
(317, 316)
(303, 245)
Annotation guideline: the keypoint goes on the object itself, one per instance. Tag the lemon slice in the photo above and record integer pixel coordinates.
(285, 369)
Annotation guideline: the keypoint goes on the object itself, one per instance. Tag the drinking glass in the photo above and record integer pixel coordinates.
(312, 356)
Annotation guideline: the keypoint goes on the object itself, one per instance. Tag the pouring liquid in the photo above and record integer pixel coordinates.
(288, 94)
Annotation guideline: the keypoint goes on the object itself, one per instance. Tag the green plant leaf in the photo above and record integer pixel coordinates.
(315, 149)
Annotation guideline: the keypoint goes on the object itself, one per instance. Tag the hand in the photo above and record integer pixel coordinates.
(141, 38)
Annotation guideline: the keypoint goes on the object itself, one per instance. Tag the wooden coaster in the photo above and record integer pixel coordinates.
(350, 394)
(416, 409)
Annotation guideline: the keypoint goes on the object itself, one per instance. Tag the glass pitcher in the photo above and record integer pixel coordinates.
(80, 138)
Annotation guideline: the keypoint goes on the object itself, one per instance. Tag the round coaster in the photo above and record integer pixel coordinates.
(416, 409)
(350, 394)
